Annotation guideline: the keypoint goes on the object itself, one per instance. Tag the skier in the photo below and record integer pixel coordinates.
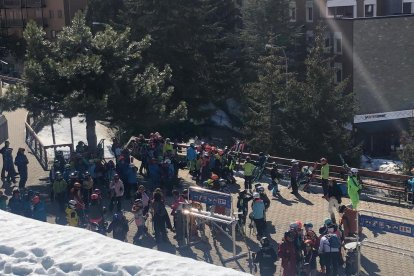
(119, 226)
(96, 211)
(72, 217)
(243, 206)
(248, 173)
(266, 257)
(21, 162)
(117, 191)
(275, 175)
(258, 210)
(287, 252)
(60, 190)
(160, 218)
(39, 209)
(264, 197)
(15, 203)
(354, 188)
(294, 170)
(140, 218)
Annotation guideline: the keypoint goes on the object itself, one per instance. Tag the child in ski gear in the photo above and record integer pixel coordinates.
(258, 210)
(287, 252)
(87, 187)
(39, 209)
(178, 201)
(266, 257)
(76, 194)
(15, 203)
(137, 210)
(3, 201)
(71, 214)
(333, 195)
(248, 168)
(119, 226)
(117, 191)
(27, 204)
(96, 210)
(141, 194)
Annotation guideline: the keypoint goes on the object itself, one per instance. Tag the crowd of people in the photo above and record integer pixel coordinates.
(88, 190)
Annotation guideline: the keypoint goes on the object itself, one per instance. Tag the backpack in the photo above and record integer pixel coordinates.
(333, 241)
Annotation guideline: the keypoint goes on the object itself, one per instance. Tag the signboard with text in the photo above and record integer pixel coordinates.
(386, 225)
(210, 197)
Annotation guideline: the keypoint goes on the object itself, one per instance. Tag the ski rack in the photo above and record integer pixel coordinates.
(214, 218)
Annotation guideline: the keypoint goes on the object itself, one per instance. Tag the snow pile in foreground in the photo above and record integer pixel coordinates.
(32, 247)
(381, 165)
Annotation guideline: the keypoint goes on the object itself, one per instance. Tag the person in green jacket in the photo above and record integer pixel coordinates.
(248, 168)
(353, 188)
(324, 176)
(60, 190)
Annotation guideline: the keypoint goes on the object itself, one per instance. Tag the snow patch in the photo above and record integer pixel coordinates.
(381, 165)
(34, 247)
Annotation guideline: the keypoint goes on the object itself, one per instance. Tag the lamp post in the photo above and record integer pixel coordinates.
(270, 46)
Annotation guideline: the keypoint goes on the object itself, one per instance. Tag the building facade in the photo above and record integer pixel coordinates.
(52, 15)
(373, 44)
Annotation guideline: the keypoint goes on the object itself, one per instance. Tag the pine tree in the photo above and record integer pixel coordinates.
(407, 154)
(98, 75)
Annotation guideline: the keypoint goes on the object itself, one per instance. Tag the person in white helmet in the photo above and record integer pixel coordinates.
(354, 187)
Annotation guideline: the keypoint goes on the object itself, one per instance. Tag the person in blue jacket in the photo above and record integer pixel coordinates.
(258, 212)
(16, 203)
(191, 158)
(21, 162)
(39, 209)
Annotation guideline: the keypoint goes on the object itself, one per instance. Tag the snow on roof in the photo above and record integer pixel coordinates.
(32, 247)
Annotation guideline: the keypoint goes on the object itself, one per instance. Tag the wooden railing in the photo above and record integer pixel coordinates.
(38, 149)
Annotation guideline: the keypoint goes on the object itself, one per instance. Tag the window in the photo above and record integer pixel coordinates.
(328, 43)
(338, 43)
(338, 72)
(309, 11)
(60, 14)
(407, 8)
(51, 14)
(369, 11)
(310, 39)
(292, 11)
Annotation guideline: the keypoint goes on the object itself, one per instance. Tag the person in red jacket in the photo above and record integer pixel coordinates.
(287, 252)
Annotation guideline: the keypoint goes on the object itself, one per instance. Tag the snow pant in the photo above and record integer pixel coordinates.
(118, 201)
(333, 205)
(191, 165)
(160, 227)
(260, 226)
(294, 184)
(248, 182)
(325, 186)
(11, 173)
(331, 260)
(61, 200)
(139, 233)
(23, 176)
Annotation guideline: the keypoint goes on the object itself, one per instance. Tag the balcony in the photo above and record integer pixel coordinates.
(10, 4)
(34, 3)
(11, 23)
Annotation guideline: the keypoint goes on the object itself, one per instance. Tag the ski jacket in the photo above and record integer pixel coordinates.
(325, 171)
(95, 211)
(16, 205)
(191, 154)
(258, 208)
(248, 169)
(144, 197)
(265, 199)
(39, 211)
(138, 216)
(120, 228)
(117, 187)
(21, 161)
(266, 257)
(59, 186)
(72, 217)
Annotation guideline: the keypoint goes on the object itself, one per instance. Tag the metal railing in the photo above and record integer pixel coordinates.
(38, 149)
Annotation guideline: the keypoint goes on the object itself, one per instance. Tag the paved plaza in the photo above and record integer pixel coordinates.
(284, 210)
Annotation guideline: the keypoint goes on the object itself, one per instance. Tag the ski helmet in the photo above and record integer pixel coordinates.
(354, 171)
(256, 195)
(260, 189)
(72, 204)
(97, 191)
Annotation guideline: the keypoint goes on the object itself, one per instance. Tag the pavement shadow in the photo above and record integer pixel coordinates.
(270, 228)
(167, 246)
(283, 200)
(302, 199)
(370, 267)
